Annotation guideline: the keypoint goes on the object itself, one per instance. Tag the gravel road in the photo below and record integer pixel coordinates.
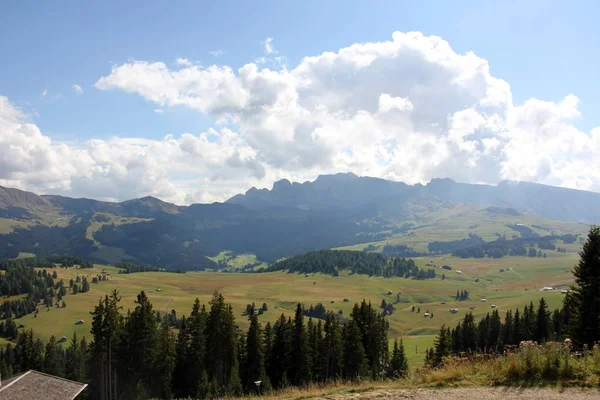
(471, 394)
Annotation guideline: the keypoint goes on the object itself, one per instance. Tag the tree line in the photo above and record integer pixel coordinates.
(578, 319)
(358, 262)
(38, 285)
(137, 356)
(48, 262)
(513, 247)
(129, 268)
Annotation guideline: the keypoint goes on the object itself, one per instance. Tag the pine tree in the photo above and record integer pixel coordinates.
(442, 345)
(164, 361)
(332, 349)
(557, 325)
(196, 352)
(495, 331)
(300, 366)
(221, 348)
(542, 322)
(85, 286)
(180, 382)
(75, 358)
(315, 333)
(53, 364)
(106, 325)
(583, 302)
(138, 347)
(508, 330)
(518, 329)
(281, 353)
(254, 363)
(355, 362)
(398, 363)
(469, 333)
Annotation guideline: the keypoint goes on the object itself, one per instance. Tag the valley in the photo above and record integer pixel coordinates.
(517, 286)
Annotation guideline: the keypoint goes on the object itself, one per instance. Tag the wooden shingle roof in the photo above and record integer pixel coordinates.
(36, 385)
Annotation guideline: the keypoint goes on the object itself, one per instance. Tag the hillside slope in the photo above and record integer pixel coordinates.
(333, 211)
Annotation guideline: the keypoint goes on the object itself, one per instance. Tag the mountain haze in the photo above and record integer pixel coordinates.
(332, 211)
(349, 190)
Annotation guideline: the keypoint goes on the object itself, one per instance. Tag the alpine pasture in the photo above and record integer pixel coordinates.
(506, 283)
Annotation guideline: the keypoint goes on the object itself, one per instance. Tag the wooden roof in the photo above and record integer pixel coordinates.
(36, 385)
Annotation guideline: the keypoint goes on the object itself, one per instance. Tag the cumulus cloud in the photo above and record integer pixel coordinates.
(77, 89)
(408, 109)
(183, 62)
(124, 168)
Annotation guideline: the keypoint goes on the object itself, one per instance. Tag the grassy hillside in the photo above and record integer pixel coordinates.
(456, 223)
(516, 287)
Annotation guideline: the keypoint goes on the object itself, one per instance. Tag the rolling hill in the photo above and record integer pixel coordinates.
(334, 211)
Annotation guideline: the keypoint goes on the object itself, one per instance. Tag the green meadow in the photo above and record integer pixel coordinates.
(519, 284)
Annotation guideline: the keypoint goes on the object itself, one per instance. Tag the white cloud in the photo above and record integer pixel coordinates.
(218, 53)
(159, 111)
(77, 89)
(123, 168)
(269, 49)
(388, 103)
(45, 92)
(183, 62)
(408, 109)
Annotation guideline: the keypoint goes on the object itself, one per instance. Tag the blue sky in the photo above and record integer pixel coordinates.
(542, 49)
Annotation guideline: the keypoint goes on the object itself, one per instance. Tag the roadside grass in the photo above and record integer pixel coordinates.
(549, 365)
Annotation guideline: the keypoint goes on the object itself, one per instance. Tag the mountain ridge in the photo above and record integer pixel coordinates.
(332, 211)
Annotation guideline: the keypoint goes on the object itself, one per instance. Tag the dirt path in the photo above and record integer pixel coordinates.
(470, 394)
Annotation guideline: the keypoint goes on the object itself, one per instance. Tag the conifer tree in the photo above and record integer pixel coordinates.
(495, 330)
(542, 322)
(583, 302)
(508, 330)
(254, 362)
(75, 358)
(180, 382)
(398, 363)
(469, 333)
(137, 349)
(518, 328)
(53, 364)
(300, 362)
(557, 325)
(196, 351)
(442, 345)
(332, 349)
(221, 344)
(164, 361)
(281, 353)
(106, 325)
(355, 361)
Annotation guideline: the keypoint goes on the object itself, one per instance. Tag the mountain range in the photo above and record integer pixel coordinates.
(331, 211)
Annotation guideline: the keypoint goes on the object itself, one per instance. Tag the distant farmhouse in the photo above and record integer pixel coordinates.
(36, 385)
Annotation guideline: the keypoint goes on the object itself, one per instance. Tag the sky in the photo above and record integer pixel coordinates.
(197, 101)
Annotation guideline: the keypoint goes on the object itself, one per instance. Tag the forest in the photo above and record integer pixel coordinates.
(137, 356)
(129, 268)
(578, 319)
(510, 247)
(359, 262)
